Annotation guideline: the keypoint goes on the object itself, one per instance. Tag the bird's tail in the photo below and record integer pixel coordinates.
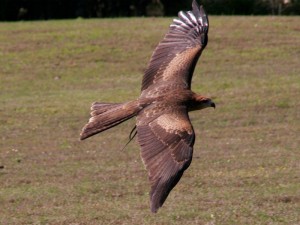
(108, 115)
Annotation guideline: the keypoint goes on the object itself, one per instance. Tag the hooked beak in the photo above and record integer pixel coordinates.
(213, 105)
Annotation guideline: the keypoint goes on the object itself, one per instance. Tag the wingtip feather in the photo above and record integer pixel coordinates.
(154, 204)
(154, 209)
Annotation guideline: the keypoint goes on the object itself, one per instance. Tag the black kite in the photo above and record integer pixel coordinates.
(163, 127)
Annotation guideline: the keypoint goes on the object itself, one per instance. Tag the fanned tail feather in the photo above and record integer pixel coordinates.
(98, 108)
(108, 115)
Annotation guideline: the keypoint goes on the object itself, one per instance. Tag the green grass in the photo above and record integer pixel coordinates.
(245, 168)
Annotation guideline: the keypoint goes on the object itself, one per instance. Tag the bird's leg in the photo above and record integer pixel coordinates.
(132, 134)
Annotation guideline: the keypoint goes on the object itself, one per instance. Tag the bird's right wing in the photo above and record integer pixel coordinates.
(174, 59)
(166, 137)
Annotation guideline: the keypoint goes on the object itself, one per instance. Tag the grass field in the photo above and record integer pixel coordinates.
(246, 165)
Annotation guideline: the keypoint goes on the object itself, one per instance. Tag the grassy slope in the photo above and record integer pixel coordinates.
(246, 160)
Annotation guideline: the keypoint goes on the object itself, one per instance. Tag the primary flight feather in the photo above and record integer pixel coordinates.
(164, 131)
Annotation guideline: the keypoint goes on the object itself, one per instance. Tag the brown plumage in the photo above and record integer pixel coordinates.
(163, 127)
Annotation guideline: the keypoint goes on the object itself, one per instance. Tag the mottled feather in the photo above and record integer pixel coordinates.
(175, 57)
(166, 148)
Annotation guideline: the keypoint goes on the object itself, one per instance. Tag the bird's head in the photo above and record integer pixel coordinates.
(200, 102)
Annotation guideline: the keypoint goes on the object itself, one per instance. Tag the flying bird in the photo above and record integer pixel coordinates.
(164, 130)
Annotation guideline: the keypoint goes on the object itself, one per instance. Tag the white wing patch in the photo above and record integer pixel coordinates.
(182, 16)
(173, 123)
(192, 17)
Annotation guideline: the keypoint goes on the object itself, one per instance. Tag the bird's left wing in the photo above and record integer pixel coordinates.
(175, 57)
(166, 137)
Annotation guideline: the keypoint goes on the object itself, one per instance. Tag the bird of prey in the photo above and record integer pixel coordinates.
(164, 130)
